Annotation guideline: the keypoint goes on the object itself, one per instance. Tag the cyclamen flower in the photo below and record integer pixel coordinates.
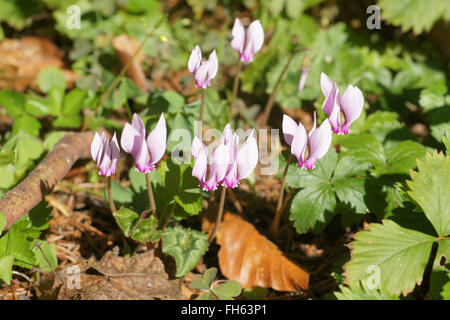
(146, 152)
(351, 103)
(247, 43)
(105, 153)
(242, 162)
(226, 164)
(307, 148)
(303, 75)
(204, 71)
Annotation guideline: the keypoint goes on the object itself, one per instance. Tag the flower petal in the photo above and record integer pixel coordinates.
(238, 33)
(137, 123)
(195, 59)
(303, 76)
(254, 41)
(115, 154)
(213, 65)
(247, 158)
(220, 160)
(352, 103)
(156, 140)
(227, 134)
(201, 159)
(299, 143)
(96, 147)
(326, 84)
(319, 143)
(201, 76)
(289, 127)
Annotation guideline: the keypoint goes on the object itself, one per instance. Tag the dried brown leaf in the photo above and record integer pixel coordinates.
(250, 258)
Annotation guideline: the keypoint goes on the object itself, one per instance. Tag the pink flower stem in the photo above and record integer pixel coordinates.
(219, 214)
(274, 227)
(235, 91)
(202, 107)
(112, 207)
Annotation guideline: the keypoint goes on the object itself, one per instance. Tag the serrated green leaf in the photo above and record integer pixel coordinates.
(400, 254)
(403, 156)
(186, 246)
(365, 147)
(49, 77)
(446, 290)
(73, 102)
(312, 207)
(351, 190)
(430, 188)
(13, 102)
(441, 270)
(228, 290)
(6, 264)
(361, 292)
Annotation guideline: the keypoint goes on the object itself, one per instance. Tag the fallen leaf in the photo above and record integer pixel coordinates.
(21, 60)
(126, 47)
(250, 258)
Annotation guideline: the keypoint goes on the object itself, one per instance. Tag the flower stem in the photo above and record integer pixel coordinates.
(112, 206)
(235, 91)
(268, 108)
(219, 214)
(151, 198)
(202, 106)
(274, 227)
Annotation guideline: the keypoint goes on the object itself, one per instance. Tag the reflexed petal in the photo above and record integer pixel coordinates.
(138, 124)
(319, 143)
(156, 140)
(326, 84)
(254, 41)
(231, 180)
(238, 33)
(330, 102)
(227, 134)
(220, 160)
(195, 59)
(303, 76)
(197, 147)
(289, 127)
(352, 103)
(96, 148)
(115, 154)
(247, 158)
(213, 66)
(201, 162)
(131, 139)
(299, 143)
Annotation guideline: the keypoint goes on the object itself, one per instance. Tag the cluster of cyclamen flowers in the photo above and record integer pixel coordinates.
(227, 164)
(308, 148)
(146, 151)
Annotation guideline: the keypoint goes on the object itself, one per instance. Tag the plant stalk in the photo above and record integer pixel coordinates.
(235, 91)
(151, 198)
(274, 227)
(219, 214)
(268, 108)
(112, 206)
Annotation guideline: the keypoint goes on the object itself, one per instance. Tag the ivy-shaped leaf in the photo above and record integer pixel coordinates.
(186, 246)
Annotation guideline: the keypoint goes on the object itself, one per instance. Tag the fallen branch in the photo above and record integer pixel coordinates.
(41, 181)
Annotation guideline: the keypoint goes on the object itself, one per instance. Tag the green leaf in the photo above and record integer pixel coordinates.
(205, 296)
(147, 231)
(204, 283)
(446, 290)
(6, 157)
(351, 190)
(67, 122)
(49, 77)
(27, 124)
(56, 96)
(228, 290)
(365, 147)
(52, 138)
(255, 293)
(13, 102)
(126, 219)
(38, 106)
(6, 264)
(361, 292)
(7, 176)
(441, 270)
(48, 253)
(400, 254)
(40, 215)
(403, 156)
(313, 207)
(2, 222)
(418, 15)
(210, 275)
(73, 102)
(430, 188)
(186, 246)
(25, 146)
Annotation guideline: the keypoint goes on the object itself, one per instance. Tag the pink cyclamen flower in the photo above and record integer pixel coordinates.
(146, 152)
(242, 162)
(203, 71)
(307, 148)
(351, 103)
(105, 153)
(247, 43)
(303, 75)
